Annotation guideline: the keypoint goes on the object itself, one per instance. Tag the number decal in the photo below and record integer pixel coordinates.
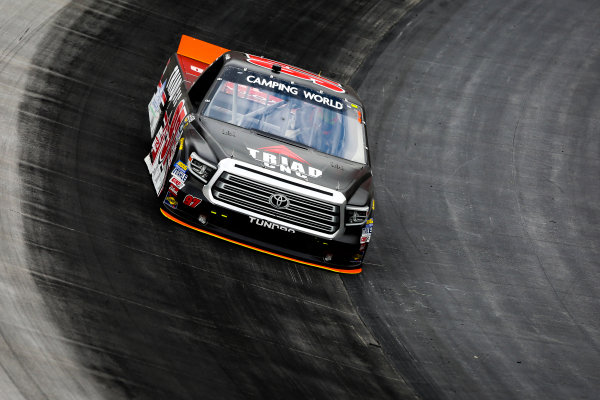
(191, 201)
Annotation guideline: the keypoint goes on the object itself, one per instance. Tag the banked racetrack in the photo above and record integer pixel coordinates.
(482, 281)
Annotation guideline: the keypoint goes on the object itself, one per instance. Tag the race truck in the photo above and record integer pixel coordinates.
(262, 154)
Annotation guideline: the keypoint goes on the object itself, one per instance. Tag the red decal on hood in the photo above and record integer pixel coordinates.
(284, 151)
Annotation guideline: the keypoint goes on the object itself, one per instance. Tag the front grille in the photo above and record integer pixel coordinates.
(255, 196)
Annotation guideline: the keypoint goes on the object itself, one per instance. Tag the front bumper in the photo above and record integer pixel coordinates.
(236, 228)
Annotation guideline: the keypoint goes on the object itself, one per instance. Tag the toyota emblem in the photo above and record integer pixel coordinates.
(279, 201)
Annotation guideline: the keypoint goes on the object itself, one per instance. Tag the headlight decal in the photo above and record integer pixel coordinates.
(201, 168)
(356, 215)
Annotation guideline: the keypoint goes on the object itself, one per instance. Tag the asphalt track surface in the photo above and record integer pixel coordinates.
(483, 278)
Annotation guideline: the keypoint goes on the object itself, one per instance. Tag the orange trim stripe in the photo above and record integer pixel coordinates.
(343, 271)
(199, 50)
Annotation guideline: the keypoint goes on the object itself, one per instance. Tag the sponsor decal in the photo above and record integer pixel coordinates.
(296, 73)
(323, 100)
(179, 173)
(181, 164)
(284, 87)
(366, 232)
(191, 201)
(270, 225)
(173, 190)
(170, 201)
(174, 181)
(284, 159)
(281, 86)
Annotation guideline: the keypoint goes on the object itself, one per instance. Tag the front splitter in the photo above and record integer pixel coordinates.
(180, 222)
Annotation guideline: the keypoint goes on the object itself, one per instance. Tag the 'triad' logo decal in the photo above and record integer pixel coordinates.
(286, 160)
(296, 73)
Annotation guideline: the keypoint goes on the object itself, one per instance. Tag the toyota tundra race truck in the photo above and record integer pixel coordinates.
(262, 154)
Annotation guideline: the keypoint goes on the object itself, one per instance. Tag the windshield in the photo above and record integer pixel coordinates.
(281, 108)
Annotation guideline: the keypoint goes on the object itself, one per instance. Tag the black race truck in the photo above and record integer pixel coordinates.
(262, 154)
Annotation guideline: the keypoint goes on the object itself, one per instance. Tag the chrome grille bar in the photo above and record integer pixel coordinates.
(315, 211)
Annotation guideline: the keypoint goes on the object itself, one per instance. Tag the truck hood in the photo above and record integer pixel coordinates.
(283, 156)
